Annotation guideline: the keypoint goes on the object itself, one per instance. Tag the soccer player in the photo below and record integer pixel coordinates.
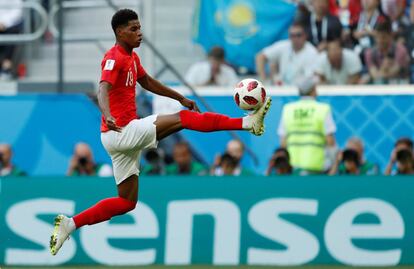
(124, 136)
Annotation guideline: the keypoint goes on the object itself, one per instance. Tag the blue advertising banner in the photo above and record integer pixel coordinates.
(242, 27)
(278, 221)
(45, 127)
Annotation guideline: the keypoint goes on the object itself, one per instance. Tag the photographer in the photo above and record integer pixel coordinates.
(155, 162)
(350, 159)
(404, 143)
(228, 165)
(279, 163)
(83, 164)
(235, 148)
(6, 166)
(183, 162)
(405, 162)
(366, 167)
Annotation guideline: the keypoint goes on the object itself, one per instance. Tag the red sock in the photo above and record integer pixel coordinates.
(208, 122)
(103, 210)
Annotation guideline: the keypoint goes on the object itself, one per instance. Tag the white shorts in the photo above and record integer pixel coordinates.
(125, 147)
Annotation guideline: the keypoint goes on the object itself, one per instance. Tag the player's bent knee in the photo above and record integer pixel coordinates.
(131, 206)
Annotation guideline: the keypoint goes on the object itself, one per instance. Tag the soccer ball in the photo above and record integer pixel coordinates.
(249, 94)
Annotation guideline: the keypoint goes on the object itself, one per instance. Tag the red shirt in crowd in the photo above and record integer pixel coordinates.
(121, 70)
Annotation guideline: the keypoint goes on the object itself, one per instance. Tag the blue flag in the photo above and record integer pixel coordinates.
(242, 27)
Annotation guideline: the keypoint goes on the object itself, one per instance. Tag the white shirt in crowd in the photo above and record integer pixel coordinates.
(292, 66)
(10, 16)
(200, 73)
(351, 65)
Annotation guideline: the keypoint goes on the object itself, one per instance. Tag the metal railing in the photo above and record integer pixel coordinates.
(81, 37)
(26, 37)
(96, 38)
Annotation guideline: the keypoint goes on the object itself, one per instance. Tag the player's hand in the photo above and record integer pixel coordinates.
(190, 104)
(110, 122)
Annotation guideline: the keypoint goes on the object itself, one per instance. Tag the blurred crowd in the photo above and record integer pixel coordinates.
(343, 42)
(347, 161)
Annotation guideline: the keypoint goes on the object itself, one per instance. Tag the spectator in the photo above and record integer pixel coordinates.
(10, 23)
(279, 163)
(395, 10)
(292, 58)
(155, 162)
(184, 163)
(363, 32)
(347, 159)
(403, 143)
(234, 148)
(412, 12)
(338, 66)
(228, 165)
(367, 167)
(307, 131)
(405, 162)
(354, 8)
(212, 72)
(83, 164)
(7, 168)
(387, 62)
(322, 26)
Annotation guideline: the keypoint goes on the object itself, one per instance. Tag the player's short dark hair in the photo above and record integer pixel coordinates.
(122, 17)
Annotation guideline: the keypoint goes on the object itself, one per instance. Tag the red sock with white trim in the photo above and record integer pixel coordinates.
(209, 122)
(104, 210)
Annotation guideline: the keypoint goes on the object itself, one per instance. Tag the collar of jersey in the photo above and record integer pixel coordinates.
(122, 50)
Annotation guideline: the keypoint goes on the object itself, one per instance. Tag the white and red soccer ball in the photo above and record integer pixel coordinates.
(249, 94)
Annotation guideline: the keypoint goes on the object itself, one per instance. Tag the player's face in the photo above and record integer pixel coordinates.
(131, 34)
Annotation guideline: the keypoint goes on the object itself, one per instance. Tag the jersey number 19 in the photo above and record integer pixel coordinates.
(130, 79)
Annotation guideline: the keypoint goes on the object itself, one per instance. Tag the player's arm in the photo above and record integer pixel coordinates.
(103, 101)
(154, 86)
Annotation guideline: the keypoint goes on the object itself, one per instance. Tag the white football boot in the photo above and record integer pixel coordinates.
(64, 226)
(255, 122)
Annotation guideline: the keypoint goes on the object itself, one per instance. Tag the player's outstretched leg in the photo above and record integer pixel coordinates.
(209, 122)
(102, 211)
